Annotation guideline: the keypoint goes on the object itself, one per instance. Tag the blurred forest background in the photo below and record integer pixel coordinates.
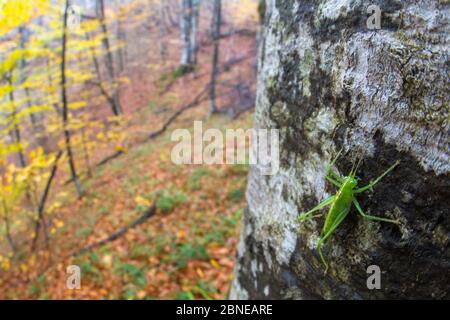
(90, 92)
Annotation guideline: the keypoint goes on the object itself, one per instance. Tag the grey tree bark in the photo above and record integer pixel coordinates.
(189, 20)
(185, 29)
(327, 82)
(217, 22)
(15, 132)
(162, 31)
(64, 106)
(100, 10)
(36, 120)
(195, 15)
(122, 38)
(24, 35)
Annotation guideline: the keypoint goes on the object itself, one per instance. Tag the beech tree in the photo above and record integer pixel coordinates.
(109, 60)
(216, 24)
(189, 20)
(329, 79)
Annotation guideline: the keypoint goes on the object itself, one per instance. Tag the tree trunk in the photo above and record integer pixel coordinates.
(15, 133)
(96, 64)
(41, 206)
(23, 64)
(65, 111)
(189, 22)
(328, 80)
(6, 221)
(121, 38)
(168, 10)
(194, 30)
(217, 21)
(162, 31)
(185, 29)
(117, 109)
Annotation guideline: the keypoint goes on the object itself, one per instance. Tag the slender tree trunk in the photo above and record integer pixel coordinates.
(168, 10)
(33, 116)
(50, 85)
(217, 21)
(16, 126)
(65, 111)
(23, 64)
(195, 15)
(86, 152)
(7, 225)
(35, 119)
(96, 64)
(162, 31)
(380, 96)
(185, 29)
(41, 206)
(16, 136)
(121, 37)
(117, 109)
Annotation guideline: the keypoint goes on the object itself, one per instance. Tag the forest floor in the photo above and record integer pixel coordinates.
(187, 249)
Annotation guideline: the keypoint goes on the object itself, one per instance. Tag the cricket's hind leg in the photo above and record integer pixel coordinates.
(374, 218)
(325, 235)
(322, 258)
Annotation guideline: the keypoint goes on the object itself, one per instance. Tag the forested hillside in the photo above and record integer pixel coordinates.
(90, 94)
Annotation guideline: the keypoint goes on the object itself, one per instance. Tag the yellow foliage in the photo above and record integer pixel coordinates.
(243, 10)
(24, 267)
(6, 264)
(14, 13)
(13, 58)
(142, 201)
(214, 263)
(120, 148)
(59, 223)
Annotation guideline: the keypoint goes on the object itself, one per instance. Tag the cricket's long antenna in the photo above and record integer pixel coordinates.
(337, 157)
(352, 173)
(357, 166)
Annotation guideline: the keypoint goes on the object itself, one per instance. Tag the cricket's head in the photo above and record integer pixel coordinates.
(351, 181)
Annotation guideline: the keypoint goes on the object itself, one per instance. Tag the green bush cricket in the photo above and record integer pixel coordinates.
(341, 203)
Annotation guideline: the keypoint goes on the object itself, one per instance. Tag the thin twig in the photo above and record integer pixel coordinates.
(199, 98)
(44, 197)
(119, 233)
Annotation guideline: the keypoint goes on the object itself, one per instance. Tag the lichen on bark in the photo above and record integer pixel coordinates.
(327, 82)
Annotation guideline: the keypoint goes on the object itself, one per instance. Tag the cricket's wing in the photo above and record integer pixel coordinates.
(335, 216)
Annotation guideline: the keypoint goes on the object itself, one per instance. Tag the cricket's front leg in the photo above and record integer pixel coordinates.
(373, 183)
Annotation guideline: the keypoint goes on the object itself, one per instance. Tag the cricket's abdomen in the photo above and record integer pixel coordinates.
(341, 206)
